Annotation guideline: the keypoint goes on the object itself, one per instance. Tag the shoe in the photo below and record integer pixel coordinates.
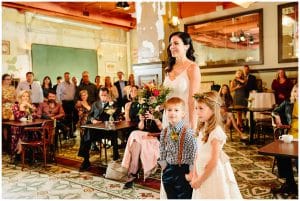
(128, 185)
(243, 137)
(283, 189)
(84, 166)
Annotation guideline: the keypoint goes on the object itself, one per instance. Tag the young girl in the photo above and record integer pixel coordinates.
(212, 176)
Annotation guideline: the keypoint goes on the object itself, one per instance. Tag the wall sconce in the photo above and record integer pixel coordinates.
(174, 21)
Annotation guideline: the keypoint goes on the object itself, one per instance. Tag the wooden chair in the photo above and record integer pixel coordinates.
(41, 138)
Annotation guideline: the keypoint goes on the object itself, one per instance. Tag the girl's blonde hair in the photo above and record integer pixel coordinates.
(19, 98)
(214, 102)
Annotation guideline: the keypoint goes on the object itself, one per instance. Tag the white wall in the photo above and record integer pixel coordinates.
(23, 29)
(270, 45)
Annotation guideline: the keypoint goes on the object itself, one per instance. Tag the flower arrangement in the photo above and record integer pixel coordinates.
(29, 111)
(151, 97)
(110, 110)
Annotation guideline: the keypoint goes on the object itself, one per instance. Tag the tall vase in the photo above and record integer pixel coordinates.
(111, 118)
(29, 118)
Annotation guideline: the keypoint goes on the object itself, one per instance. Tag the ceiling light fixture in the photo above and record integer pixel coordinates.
(123, 4)
(251, 40)
(242, 36)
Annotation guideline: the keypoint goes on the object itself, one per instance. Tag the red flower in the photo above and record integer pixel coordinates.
(155, 92)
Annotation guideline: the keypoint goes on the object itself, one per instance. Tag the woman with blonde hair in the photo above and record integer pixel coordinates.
(22, 109)
(113, 91)
(83, 107)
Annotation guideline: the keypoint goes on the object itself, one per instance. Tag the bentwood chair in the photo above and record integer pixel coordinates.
(40, 138)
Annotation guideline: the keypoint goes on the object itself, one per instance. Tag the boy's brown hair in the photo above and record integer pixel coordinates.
(175, 101)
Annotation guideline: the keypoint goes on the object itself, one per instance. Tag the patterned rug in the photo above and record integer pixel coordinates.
(253, 173)
(57, 182)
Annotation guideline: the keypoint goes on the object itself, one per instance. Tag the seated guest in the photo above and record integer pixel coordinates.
(50, 109)
(142, 144)
(229, 120)
(225, 95)
(132, 108)
(287, 114)
(23, 108)
(282, 87)
(97, 115)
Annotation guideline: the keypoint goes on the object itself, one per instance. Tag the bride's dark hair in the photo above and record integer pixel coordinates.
(186, 39)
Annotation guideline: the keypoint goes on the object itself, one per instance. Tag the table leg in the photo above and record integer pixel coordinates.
(251, 129)
(114, 142)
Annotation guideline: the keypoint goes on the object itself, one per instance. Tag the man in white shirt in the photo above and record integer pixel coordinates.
(33, 86)
(65, 94)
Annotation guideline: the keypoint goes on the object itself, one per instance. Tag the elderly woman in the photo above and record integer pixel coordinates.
(23, 108)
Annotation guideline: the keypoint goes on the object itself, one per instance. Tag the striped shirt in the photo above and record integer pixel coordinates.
(169, 148)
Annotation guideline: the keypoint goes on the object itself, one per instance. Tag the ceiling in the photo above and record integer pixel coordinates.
(106, 12)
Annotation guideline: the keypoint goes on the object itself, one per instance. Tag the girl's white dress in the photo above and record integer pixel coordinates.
(221, 184)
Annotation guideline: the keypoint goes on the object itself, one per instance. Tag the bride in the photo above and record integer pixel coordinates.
(182, 77)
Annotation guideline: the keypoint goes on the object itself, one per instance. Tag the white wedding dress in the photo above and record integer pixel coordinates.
(221, 184)
(179, 88)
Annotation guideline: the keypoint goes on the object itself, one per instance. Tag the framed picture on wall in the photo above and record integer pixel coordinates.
(146, 79)
(5, 47)
(110, 67)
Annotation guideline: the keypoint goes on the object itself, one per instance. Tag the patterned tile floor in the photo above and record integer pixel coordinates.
(253, 173)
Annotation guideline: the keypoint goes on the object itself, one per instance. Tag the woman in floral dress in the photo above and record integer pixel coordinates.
(8, 97)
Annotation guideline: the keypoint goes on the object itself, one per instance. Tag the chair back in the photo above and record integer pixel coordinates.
(279, 130)
(48, 131)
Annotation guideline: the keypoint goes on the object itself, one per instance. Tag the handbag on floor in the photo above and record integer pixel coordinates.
(115, 171)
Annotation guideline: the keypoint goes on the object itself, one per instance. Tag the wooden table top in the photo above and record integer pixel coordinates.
(279, 148)
(34, 122)
(118, 125)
